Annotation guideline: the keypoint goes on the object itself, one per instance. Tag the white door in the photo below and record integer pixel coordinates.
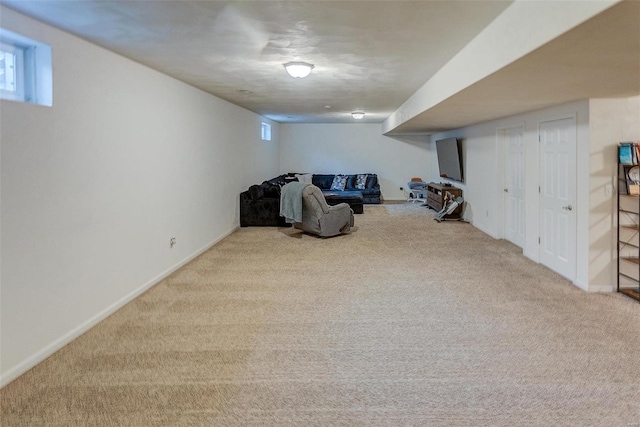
(558, 196)
(514, 185)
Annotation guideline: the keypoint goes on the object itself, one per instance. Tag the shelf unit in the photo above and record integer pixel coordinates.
(628, 236)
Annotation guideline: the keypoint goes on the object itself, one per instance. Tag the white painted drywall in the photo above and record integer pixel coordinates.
(355, 148)
(610, 121)
(94, 187)
(484, 176)
(523, 27)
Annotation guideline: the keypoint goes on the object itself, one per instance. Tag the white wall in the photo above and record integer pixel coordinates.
(484, 176)
(355, 148)
(93, 188)
(610, 121)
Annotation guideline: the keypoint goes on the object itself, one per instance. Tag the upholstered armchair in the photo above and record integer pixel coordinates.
(321, 219)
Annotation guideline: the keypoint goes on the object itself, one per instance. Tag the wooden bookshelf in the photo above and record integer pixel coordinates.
(628, 230)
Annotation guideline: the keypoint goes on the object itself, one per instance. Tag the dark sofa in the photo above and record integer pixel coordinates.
(260, 204)
(370, 192)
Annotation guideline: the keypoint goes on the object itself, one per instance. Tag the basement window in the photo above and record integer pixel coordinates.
(25, 69)
(11, 69)
(265, 132)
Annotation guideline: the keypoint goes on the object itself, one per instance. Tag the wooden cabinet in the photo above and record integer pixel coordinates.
(628, 231)
(436, 194)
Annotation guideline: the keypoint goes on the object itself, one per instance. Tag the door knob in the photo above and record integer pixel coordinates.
(568, 208)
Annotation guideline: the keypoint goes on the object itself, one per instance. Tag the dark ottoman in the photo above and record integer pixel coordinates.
(353, 198)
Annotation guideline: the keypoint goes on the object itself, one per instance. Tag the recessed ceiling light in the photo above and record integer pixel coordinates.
(358, 115)
(298, 70)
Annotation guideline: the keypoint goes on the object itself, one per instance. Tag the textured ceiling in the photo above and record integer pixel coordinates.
(369, 55)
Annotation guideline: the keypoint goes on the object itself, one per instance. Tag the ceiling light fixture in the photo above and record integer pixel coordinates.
(298, 70)
(357, 115)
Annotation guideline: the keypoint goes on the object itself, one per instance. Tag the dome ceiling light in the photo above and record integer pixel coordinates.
(358, 115)
(298, 70)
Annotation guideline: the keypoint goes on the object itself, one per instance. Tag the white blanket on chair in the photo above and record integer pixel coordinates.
(291, 201)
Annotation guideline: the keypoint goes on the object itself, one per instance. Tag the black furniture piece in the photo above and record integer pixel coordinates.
(353, 198)
(260, 204)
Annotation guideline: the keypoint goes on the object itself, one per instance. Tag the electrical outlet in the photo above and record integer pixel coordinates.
(172, 242)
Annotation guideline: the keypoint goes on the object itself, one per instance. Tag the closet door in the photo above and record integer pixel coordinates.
(558, 195)
(515, 215)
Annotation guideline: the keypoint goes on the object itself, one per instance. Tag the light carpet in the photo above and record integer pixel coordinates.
(403, 322)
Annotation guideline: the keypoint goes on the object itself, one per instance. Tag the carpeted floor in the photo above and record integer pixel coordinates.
(404, 322)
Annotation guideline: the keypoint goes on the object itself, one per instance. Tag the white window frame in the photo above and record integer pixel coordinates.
(265, 131)
(18, 69)
(34, 69)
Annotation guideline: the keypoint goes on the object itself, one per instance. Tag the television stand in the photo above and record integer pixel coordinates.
(435, 198)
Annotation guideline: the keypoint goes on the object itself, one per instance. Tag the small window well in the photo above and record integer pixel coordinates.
(266, 131)
(25, 69)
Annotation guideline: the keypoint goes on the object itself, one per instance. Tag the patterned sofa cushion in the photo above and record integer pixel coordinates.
(339, 182)
(361, 181)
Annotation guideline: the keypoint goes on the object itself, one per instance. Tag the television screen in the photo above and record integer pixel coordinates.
(450, 159)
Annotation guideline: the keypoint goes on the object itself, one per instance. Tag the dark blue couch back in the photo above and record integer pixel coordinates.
(324, 181)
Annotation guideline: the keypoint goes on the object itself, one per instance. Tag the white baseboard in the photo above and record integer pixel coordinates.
(532, 256)
(487, 232)
(56, 345)
(580, 284)
(607, 289)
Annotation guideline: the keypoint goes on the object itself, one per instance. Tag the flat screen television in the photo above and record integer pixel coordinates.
(450, 159)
